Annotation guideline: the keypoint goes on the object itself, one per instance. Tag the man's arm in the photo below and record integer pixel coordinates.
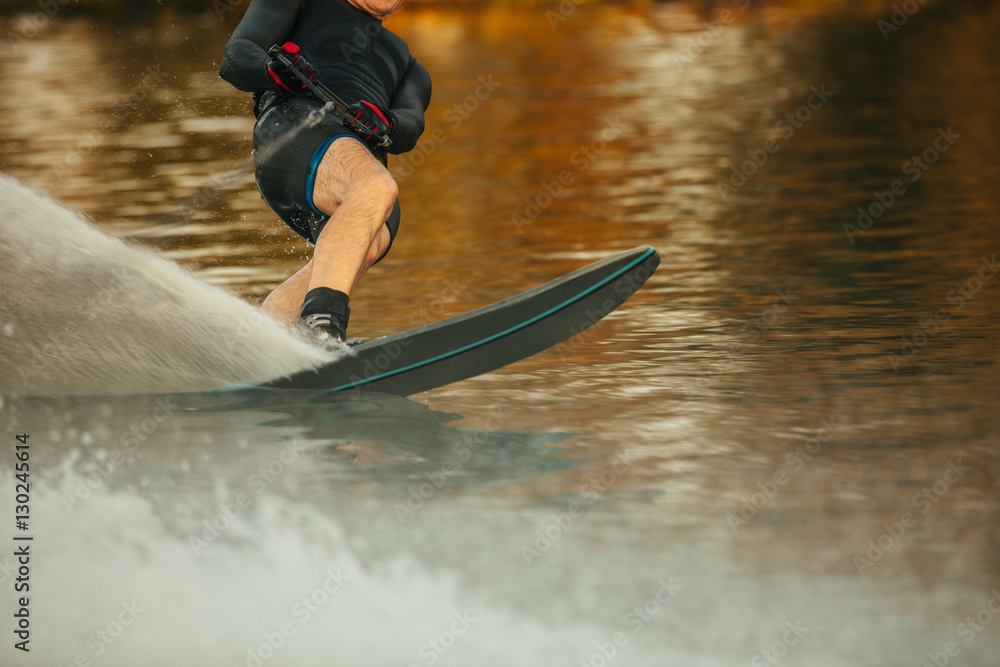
(408, 106)
(244, 60)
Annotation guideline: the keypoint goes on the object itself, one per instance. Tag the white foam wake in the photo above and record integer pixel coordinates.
(85, 313)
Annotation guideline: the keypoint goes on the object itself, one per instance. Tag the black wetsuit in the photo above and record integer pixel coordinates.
(356, 58)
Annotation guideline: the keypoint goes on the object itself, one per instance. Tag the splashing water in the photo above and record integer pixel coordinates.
(243, 166)
(84, 313)
(312, 119)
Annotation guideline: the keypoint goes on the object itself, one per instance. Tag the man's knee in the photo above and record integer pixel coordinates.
(349, 172)
(379, 186)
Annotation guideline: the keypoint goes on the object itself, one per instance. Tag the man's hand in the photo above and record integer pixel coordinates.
(283, 78)
(378, 121)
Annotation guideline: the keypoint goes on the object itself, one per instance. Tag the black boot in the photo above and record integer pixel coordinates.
(325, 315)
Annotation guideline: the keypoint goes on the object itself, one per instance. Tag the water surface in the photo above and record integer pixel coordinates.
(736, 439)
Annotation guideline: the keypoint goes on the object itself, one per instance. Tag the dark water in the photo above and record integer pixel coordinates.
(747, 464)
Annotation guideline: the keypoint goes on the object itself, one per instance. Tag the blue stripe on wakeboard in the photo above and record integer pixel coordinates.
(520, 326)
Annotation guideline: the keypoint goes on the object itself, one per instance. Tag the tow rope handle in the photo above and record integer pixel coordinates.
(323, 93)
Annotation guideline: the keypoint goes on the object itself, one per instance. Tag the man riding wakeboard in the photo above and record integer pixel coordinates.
(329, 181)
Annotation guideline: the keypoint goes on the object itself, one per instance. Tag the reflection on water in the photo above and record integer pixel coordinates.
(737, 429)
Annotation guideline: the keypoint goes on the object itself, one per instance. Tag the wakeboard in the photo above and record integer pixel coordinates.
(487, 338)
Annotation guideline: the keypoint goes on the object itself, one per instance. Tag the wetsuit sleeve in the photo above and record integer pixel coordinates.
(244, 60)
(408, 105)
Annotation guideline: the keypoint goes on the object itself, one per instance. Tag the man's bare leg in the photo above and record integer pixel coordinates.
(358, 193)
(285, 301)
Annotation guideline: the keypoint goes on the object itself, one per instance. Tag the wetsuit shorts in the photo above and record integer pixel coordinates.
(287, 153)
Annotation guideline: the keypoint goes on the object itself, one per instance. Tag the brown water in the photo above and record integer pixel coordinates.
(708, 434)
